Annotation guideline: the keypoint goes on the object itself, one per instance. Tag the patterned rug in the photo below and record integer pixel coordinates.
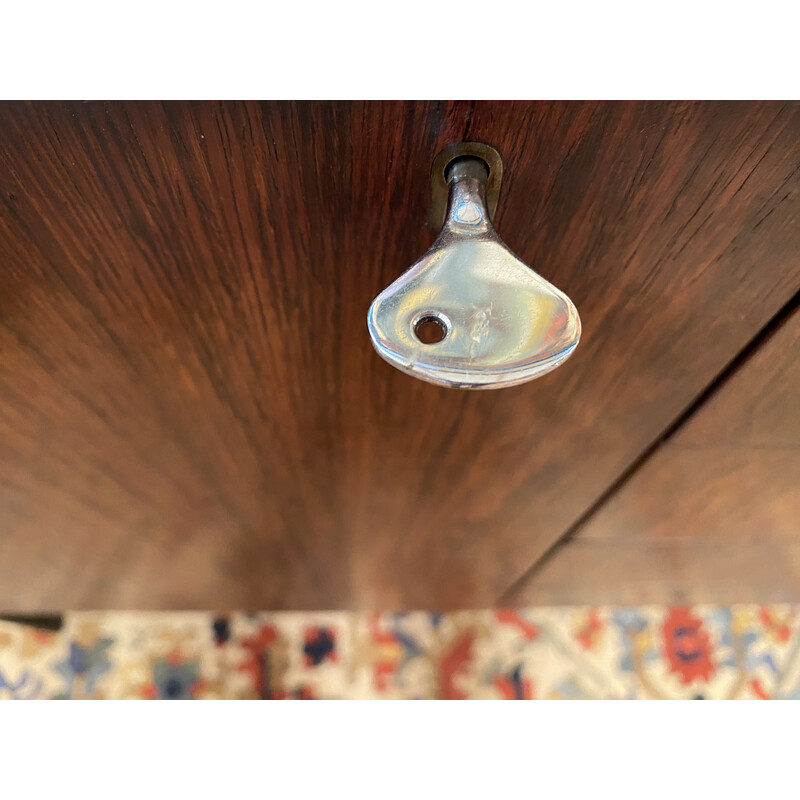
(699, 652)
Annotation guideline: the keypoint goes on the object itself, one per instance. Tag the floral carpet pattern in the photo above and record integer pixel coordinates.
(698, 652)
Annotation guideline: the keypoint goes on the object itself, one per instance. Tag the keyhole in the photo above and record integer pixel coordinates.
(430, 330)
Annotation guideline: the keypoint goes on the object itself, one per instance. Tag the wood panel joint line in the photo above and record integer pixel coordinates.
(704, 396)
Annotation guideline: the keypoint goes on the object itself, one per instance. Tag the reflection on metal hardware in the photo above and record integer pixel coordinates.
(469, 314)
(440, 190)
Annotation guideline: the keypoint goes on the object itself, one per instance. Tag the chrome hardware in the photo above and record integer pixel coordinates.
(469, 314)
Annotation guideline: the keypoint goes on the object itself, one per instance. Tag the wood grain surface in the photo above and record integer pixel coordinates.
(191, 414)
(713, 515)
(670, 570)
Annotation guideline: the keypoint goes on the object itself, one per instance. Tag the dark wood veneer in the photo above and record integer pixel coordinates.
(191, 414)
